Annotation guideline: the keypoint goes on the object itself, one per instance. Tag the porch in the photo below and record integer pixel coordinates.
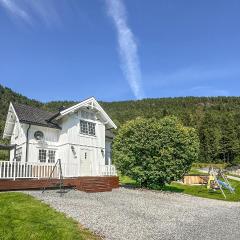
(19, 176)
(18, 170)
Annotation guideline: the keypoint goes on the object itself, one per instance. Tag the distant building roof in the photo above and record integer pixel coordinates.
(35, 116)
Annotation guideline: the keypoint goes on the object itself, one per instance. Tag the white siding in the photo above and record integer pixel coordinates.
(50, 141)
(65, 140)
(18, 138)
(71, 136)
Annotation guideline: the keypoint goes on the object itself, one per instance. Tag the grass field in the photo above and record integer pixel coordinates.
(195, 190)
(24, 218)
(195, 171)
(202, 191)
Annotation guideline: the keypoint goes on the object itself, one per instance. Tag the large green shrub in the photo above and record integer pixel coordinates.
(155, 152)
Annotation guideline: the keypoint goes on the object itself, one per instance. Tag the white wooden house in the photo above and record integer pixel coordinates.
(80, 136)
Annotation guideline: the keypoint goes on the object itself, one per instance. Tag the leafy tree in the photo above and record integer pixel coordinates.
(216, 119)
(155, 152)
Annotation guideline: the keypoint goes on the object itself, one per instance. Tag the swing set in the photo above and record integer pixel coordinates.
(214, 182)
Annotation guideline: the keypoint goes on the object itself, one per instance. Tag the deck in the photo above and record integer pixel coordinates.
(22, 176)
(86, 184)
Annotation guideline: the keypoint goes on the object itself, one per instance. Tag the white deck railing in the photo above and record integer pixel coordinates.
(17, 170)
(108, 170)
(13, 170)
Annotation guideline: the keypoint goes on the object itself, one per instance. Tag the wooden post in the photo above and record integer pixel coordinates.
(14, 169)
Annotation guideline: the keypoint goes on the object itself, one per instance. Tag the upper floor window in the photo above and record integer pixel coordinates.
(87, 128)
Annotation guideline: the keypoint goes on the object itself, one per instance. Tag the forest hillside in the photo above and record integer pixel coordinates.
(217, 119)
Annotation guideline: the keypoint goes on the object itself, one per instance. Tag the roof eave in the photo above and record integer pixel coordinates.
(84, 103)
(5, 134)
(41, 125)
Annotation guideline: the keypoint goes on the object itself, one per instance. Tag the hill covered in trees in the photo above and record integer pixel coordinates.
(217, 119)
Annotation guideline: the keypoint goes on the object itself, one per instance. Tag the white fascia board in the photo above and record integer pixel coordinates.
(17, 119)
(75, 107)
(85, 103)
(8, 123)
(109, 120)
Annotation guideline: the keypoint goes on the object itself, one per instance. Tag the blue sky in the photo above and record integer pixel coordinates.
(119, 50)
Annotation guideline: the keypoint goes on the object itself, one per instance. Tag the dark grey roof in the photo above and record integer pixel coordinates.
(35, 116)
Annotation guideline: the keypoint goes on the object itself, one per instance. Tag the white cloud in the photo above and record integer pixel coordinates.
(15, 10)
(128, 49)
(47, 11)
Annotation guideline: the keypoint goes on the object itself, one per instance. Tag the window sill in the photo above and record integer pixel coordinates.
(86, 135)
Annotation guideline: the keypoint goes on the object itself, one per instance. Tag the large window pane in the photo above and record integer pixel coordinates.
(83, 127)
(91, 128)
(87, 128)
(42, 155)
(51, 156)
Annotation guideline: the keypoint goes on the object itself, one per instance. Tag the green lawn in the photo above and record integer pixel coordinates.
(195, 190)
(202, 191)
(24, 218)
(195, 171)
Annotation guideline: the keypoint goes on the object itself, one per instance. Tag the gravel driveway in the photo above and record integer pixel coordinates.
(139, 214)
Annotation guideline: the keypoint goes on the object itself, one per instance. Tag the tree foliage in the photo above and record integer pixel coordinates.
(155, 151)
(216, 119)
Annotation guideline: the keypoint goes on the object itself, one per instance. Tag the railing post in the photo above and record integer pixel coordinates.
(38, 171)
(4, 170)
(14, 169)
(58, 171)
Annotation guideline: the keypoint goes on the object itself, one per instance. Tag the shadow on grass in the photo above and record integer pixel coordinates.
(130, 186)
(166, 188)
(214, 193)
(169, 188)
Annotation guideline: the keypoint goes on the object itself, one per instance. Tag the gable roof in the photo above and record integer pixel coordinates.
(35, 116)
(31, 115)
(90, 103)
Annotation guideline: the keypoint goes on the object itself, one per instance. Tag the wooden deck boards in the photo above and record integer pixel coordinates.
(87, 184)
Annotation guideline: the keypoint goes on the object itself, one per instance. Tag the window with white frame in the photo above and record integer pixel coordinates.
(51, 156)
(83, 127)
(46, 155)
(42, 155)
(91, 128)
(87, 128)
(19, 154)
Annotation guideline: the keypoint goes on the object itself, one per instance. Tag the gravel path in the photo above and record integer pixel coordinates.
(142, 214)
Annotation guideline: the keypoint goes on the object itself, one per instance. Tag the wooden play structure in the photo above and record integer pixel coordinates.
(214, 180)
(195, 179)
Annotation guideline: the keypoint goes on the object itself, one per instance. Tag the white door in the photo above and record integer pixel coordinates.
(85, 162)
